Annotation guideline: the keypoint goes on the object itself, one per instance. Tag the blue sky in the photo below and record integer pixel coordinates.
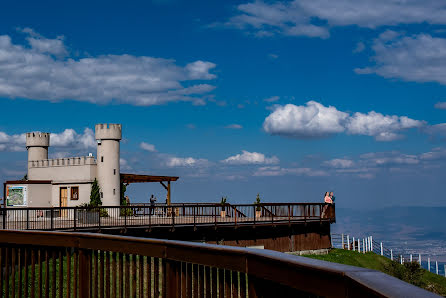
(283, 98)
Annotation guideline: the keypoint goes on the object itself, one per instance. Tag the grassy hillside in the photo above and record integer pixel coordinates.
(410, 272)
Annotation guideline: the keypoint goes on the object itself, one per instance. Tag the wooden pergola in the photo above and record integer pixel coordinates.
(134, 178)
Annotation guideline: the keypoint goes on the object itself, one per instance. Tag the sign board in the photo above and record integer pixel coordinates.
(16, 195)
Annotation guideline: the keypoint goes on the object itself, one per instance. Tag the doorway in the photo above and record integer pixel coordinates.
(63, 200)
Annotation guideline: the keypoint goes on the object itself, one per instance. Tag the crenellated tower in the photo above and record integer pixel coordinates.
(37, 144)
(108, 168)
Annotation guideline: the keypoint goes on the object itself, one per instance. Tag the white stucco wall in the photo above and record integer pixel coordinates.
(84, 194)
(69, 173)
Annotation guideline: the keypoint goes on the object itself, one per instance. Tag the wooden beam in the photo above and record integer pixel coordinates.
(164, 185)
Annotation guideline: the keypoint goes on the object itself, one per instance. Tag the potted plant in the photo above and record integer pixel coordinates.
(258, 206)
(223, 207)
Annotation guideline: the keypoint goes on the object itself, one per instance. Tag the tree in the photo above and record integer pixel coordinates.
(123, 189)
(95, 194)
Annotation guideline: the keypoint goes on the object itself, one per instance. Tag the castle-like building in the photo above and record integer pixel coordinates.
(66, 182)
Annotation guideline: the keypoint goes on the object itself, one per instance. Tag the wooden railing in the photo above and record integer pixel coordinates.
(144, 215)
(43, 264)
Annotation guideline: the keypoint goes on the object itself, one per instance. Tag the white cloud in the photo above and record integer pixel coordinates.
(39, 72)
(147, 147)
(316, 121)
(297, 17)
(44, 45)
(250, 158)
(272, 99)
(380, 126)
(186, 162)
(234, 126)
(70, 138)
(273, 56)
(440, 105)
(437, 131)
(12, 143)
(340, 163)
(311, 121)
(279, 171)
(417, 58)
(124, 164)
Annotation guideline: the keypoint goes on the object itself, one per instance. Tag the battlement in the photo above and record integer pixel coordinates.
(108, 131)
(37, 139)
(62, 162)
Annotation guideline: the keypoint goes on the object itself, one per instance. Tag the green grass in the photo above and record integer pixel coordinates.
(415, 275)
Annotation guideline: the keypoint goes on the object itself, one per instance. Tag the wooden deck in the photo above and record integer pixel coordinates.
(151, 217)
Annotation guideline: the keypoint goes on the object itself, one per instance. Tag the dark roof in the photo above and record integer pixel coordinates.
(134, 178)
(28, 182)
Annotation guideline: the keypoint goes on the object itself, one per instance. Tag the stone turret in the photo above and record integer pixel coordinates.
(37, 144)
(108, 169)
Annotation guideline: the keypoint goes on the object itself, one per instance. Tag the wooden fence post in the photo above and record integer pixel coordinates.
(371, 243)
(429, 264)
(353, 244)
(391, 254)
(381, 246)
(419, 259)
(348, 242)
(436, 267)
(84, 273)
(342, 241)
(4, 217)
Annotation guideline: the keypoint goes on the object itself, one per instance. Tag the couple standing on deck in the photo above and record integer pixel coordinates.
(329, 197)
(328, 200)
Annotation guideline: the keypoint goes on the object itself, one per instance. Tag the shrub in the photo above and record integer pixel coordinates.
(257, 203)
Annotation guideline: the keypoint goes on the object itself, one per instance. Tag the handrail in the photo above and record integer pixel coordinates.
(161, 215)
(266, 272)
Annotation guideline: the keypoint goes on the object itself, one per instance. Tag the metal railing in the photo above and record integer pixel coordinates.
(143, 215)
(43, 264)
(369, 244)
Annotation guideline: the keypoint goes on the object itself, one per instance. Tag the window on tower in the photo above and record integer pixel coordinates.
(102, 159)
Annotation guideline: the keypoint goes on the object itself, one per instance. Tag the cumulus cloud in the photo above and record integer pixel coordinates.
(12, 143)
(382, 127)
(440, 105)
(39, 71)
(250, 158)
(317, 121)
(310, 121)
(234, 126)
(313, 18)
(70, 138)
(417, 58)
(44, 45)
(186, 162)
(147, 147)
